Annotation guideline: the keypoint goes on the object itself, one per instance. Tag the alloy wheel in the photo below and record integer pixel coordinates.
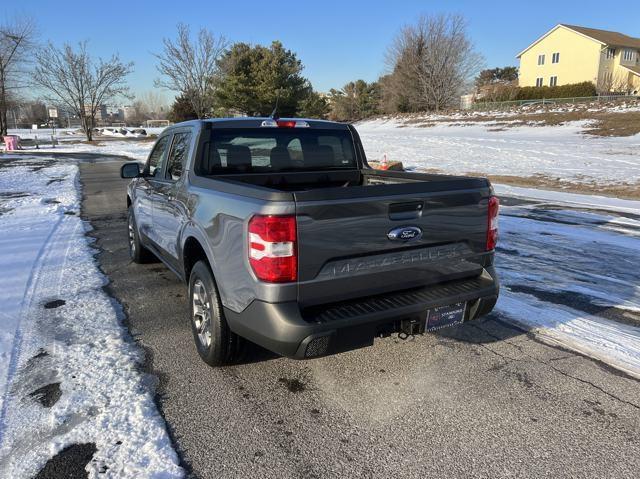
(202, 313)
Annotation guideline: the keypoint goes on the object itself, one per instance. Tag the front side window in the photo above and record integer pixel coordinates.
(178, 155)
(540, 59)
(553, 81)
(628, 55)
(611, 52)
(264, 150)
(555, 58)
(539, 81)
(156, 158)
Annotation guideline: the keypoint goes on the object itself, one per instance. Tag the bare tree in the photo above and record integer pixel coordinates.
(80, 83)
(16, 41)
(432, 63)
(615, 83)
(153, 105)
(190, 67)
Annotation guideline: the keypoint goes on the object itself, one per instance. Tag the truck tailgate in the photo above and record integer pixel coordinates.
(345, 251)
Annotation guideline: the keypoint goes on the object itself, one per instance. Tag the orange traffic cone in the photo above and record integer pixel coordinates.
(384, 165)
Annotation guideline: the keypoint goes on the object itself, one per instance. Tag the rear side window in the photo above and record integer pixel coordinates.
(178, 155)
(263, 150)
(157, 156)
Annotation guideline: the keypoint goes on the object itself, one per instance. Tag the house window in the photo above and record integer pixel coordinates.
(555, 58)
(553, 81)
(611, 52)
(539, 81)
(628, 55)
(540, 59)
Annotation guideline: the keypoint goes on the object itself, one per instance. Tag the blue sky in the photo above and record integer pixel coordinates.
(337, 41)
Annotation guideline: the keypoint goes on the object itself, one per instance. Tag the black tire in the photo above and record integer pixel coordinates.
(217, 345)
(137, 252)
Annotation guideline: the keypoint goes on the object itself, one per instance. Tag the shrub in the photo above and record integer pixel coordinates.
(563, 91)
(571, 90)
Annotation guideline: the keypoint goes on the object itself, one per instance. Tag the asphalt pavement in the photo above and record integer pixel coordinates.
(481, 400)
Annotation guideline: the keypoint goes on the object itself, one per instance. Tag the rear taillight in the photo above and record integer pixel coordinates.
(273, 251)
(492, 223)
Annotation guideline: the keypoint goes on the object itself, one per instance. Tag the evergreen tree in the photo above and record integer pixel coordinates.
(496, 75)
(252, 78)
(314, 106)
(356, 100)
(182, 110)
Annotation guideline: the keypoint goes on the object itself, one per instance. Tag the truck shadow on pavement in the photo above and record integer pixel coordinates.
(488, 329)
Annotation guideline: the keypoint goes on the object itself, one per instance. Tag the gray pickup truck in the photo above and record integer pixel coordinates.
(287, 238)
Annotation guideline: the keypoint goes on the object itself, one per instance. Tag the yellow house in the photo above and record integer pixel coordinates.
(572, 54)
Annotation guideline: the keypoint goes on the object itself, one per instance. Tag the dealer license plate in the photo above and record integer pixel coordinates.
(445, 316)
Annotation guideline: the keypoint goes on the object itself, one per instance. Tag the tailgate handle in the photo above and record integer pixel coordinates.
(406, 211)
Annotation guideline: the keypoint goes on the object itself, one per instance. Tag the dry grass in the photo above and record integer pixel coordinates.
(616, 124)
(630, 191)
(600, 123)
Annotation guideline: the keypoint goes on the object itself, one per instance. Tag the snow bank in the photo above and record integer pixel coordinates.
(59, 327)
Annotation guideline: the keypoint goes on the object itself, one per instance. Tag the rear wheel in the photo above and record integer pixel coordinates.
(215, 342)
(138, 253)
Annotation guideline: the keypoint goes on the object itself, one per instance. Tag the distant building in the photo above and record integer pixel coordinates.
(572, 54)
(101, 112)
(114, 114)
(129, 112)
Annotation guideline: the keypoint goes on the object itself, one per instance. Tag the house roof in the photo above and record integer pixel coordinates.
(605, 37)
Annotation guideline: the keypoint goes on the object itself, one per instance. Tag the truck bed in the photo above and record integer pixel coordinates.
(308, 186)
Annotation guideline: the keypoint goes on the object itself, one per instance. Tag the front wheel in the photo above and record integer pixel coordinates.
(215, 342)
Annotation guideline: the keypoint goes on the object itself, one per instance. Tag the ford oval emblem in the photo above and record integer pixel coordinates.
(405, 233)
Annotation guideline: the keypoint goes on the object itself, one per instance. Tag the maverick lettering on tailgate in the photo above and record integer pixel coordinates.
(392, 260)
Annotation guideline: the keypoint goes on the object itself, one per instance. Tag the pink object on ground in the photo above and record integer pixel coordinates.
(11, 142)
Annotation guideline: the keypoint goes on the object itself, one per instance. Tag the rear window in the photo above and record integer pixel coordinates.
(260, 150)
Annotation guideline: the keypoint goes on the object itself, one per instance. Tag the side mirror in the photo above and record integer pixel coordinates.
(130, 170)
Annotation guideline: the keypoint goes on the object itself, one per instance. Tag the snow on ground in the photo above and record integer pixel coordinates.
(572, 277)
(134, 149)
(45, 133)
(560, 152)
(61, 332)
(63, 134)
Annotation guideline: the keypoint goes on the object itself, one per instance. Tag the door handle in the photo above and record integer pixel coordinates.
(406, 211)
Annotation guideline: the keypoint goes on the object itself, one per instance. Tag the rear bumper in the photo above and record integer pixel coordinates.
(286, 330)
